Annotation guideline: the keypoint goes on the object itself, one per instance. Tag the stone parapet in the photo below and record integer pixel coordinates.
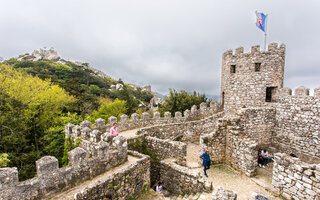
(86, 131)
(51, 179)
(297, 122)
(128, 183)
(178, 179)
(294, 179)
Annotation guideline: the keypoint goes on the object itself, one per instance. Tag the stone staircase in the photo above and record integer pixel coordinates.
(197, 196)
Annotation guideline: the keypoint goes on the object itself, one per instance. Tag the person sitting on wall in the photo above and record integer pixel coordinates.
(206, 161)
(114, 130)
(260, 159)
(159, 188)
(265, 156)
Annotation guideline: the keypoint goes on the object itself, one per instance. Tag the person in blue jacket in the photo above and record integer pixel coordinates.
(206, 162)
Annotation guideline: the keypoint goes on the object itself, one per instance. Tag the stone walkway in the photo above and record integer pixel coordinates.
(129, 133)
(69, 194)
(222, 175)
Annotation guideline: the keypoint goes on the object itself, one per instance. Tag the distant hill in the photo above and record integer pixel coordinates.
(87, 84)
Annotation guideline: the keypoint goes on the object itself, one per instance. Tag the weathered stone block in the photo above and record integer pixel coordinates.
(112, 120)
(100, 122)
(255, 49)
(203, 106)
(101, 125)
(95, 136)
(145, 116)
(301, 91)
(285, 91)
(272, 46)
(135, 117)
(85, 132)
(194, 109)
(239, 50)
(68, 129)
(178, 115)
(156, 115)
(119, 141)
(8, 177)
(186, 113)
(223, 194)
(78, 157)
(102, 149)
(167, 115)
(85, 123)
(214, 105)
(46, 166)
(317, 92)
(76, 130)
(124, 119)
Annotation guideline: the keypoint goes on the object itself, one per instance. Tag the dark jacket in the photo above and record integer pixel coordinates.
(206, 159)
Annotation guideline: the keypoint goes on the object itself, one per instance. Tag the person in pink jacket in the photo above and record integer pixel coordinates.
(114, 130)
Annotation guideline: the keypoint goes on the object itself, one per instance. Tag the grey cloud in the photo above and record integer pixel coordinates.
(168, 44)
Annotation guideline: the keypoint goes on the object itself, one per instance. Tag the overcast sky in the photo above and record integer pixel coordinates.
(166, 43)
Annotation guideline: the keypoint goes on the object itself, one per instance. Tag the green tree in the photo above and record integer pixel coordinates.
(132, 102)
(29, 107)
(181, 101)
(94, 89)
(116, 109)
(4, 160)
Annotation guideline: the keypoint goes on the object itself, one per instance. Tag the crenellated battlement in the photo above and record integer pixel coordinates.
(51, 179)
(301, 91)
(91, 135)
(239, 51)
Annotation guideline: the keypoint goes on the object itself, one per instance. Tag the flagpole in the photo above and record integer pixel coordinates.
(265, 34)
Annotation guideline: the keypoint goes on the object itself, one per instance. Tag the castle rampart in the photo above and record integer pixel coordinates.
(123, 184)
(295, 179)
(51, 180)
(298, 119)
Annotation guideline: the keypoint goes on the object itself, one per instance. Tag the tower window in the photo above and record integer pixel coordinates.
(257, 67)
(270, 94)
(233, 69)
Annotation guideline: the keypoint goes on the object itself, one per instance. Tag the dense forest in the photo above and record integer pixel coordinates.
(38, 98)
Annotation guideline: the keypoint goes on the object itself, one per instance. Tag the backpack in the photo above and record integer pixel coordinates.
(155, 187)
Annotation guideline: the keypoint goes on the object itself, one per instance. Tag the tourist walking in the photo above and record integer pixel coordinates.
(206, 162)
(114, 130)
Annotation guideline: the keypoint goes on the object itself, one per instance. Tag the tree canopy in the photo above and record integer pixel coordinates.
(181, 101)
(29, 108)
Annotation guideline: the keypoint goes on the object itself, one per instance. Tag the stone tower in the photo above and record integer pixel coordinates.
(251, 79)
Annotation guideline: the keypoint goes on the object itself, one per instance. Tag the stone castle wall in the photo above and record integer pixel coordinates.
(236, 139)
(258, 123)
(183, 131)
(244, 86)
(178, 179)
(92, 135)
(51, 180)
(168, 149)
(298, 122)
(128, 183)
(294, 179)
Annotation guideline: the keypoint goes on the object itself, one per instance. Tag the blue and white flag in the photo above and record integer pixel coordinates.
(261, 21)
